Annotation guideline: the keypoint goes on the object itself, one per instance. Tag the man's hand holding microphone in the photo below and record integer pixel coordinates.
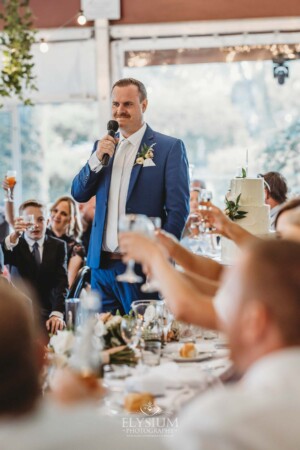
(106, 146)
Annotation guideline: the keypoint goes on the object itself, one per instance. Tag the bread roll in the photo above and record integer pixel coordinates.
(188, 350)
(134, 401)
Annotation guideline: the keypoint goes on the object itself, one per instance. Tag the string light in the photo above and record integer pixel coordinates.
(81, 19)
(44, 47)
(276, 50)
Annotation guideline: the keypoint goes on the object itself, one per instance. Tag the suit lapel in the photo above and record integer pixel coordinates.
(147, 139)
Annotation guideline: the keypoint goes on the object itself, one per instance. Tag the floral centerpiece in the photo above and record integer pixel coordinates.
(106, 337)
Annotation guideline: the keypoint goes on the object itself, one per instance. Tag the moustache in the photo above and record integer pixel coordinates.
(120, 116)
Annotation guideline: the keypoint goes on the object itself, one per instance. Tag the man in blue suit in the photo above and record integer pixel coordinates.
(147, 174)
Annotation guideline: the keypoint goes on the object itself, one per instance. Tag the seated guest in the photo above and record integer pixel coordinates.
(275, 193)
(64, 224)
(261, 318)
(40, 261)
(87, 212)
(30, 421)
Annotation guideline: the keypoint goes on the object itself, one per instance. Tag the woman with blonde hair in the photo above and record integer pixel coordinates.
(64, 224)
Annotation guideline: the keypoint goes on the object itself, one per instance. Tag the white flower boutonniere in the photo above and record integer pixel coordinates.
(145, 156)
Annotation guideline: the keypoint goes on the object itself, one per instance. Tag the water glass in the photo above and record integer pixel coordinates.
(72, 308)
(151, 353)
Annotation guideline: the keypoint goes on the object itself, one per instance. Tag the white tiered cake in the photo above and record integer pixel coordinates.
(257, 221)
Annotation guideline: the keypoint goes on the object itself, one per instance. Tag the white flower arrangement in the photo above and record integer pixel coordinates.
(146, 155)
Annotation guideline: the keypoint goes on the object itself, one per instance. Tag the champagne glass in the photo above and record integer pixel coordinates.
(152, 285)
(11, 179)
(204, 205)
(141, 224)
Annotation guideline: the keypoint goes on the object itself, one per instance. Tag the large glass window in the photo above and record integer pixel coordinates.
(56, 140)
(221, 110)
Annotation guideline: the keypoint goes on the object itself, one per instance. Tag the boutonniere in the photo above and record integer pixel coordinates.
(145, 155)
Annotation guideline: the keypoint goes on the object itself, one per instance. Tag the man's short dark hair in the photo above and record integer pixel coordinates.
(28, 203)
(276, 185)
(132, 81)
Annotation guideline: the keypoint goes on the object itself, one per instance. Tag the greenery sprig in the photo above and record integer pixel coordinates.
(244, 173)
(15, 43)
(233, 210)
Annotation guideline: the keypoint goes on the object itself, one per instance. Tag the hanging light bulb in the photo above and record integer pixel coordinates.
(44, 47)
(81, 19)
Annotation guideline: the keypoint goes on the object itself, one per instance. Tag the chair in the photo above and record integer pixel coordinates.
(82, 279)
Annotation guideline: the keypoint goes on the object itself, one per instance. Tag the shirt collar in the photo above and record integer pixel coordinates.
(31, 242)
(274, 211)
(135, 138)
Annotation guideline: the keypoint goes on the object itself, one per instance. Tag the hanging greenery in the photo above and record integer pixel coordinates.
(17, 77)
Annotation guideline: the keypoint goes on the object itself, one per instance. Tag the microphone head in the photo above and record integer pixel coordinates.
(112, 125)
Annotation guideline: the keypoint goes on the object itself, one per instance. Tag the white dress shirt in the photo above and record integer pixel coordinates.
(131, 151)
(273, 215)
(261, 412)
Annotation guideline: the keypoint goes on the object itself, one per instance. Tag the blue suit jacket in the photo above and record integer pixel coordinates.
(157, 191)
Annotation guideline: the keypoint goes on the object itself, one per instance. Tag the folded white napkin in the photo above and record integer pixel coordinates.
(168, 375)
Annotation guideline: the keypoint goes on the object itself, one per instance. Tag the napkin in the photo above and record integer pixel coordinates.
(167, 376)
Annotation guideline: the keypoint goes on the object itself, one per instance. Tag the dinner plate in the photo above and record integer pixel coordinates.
(202, 356)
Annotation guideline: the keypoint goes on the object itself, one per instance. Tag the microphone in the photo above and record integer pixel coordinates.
(112, 128)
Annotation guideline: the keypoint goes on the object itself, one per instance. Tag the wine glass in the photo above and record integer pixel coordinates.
(131, 330)
(11, 176)
(141, 224)
(152, 285)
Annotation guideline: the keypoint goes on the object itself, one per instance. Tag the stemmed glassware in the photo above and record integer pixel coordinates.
(11, 179)
(209, 242)
(151, 285)
(141, 224)
(131, 331)
(204, 205)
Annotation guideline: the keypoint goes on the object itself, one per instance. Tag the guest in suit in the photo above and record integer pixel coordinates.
(147, 174)
(40, 261)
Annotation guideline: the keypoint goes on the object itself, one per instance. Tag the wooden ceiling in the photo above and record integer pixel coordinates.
(55, 13)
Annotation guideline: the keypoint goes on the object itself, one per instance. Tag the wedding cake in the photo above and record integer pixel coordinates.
(252, 201)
